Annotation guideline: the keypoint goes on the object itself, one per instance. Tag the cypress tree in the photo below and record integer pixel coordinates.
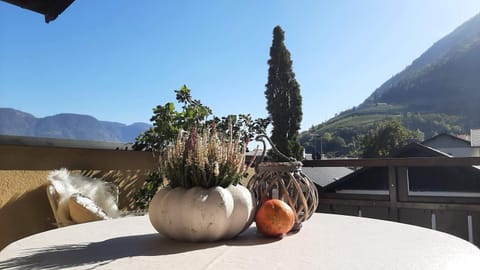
(284, 102)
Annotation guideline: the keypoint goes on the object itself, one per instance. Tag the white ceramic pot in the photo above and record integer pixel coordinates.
(199, 214)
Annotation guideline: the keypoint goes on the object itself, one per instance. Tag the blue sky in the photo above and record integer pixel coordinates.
(117, 59)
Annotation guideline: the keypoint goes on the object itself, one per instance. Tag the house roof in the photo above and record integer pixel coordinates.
(323, 176)
(419, 150)
(49, 8)
(446, 136)
(373, 175)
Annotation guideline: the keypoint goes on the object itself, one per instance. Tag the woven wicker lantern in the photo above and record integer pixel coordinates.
(285, 181)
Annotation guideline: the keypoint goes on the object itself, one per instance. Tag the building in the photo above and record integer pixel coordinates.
(421, 181)
(323, 176)
(452, 145)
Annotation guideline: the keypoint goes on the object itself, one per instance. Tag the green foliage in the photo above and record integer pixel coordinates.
(167, 122)
(284, 102)
(242, 125)
(385, 138)
(326, 144)
(339, 136)
(432, 124)
(348, 126)
(148, 190)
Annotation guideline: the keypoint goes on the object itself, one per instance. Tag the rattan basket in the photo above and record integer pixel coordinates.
(287, 182)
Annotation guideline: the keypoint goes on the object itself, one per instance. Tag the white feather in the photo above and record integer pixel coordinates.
(102, 193)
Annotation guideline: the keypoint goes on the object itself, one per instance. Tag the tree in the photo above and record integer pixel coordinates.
(385, 138)
(167, 122)
(284, 102)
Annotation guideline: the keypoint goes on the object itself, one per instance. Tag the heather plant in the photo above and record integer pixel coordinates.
(204, 159)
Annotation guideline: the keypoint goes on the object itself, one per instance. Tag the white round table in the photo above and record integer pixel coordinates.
(325, 242)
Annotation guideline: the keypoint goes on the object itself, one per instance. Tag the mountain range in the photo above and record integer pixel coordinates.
(67, 126)
(438, 93)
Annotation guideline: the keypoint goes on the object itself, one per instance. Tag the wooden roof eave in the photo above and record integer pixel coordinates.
(50, 9)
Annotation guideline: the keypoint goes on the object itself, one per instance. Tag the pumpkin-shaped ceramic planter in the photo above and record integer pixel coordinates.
(199, 214)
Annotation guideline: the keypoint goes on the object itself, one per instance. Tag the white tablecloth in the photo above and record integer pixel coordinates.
(325, 242)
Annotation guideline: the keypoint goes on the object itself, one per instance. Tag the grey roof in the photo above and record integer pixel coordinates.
(323, 176)
(446, 136)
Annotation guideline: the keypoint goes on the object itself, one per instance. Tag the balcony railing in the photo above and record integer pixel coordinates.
(23, 169)
(453, 213)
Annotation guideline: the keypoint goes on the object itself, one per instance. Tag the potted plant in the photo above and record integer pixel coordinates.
(203, 200)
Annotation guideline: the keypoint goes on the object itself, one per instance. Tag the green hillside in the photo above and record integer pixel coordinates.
(438, 93)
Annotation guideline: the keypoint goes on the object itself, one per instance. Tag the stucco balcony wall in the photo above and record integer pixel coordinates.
(25, 164)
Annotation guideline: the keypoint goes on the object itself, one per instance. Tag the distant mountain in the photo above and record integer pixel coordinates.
(439, 92)
(67, 126)
(446, 78)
